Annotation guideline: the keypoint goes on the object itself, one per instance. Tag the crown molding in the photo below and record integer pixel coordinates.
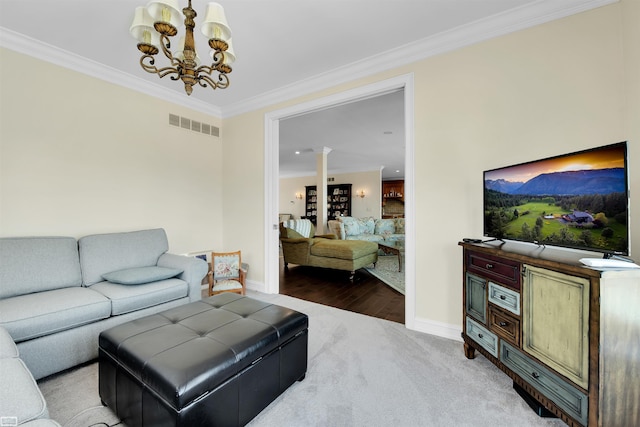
(35, 48)
(526, 16)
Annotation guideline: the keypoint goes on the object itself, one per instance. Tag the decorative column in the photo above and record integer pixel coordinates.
(321, 185)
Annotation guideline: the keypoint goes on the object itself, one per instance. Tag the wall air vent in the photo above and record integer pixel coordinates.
(195, 126)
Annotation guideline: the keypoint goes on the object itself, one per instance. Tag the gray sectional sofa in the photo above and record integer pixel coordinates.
(58, 293)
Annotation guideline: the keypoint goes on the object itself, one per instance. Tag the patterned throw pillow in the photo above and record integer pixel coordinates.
(385, 226)
(399, 225)
(351, 225)
(367, 225)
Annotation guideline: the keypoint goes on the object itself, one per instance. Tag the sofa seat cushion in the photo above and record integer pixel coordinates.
(343, 249)
(128, 298)
(394, 237)
(367, 237)
(44, 313)
(20, 397)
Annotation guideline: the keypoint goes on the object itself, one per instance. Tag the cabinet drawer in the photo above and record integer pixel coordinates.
(562, 393)
(482, 336)
(504, 271)
(505, 298)
(508, 327)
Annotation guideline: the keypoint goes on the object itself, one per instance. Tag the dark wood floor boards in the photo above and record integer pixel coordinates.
(366, 294)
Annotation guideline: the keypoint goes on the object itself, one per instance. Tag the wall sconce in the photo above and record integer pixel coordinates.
(299, 196)
(360, 194)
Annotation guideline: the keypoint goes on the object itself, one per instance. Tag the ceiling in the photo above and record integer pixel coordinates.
(284, 48)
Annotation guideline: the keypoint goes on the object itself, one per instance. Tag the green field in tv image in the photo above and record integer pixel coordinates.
(576, 200)
(573, 221)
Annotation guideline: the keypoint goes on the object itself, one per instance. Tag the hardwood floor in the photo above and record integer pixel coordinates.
(366, 294)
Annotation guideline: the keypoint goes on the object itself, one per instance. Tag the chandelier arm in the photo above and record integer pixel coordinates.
(205, 80)
(218, 58)
(161, 72)
(165, 44)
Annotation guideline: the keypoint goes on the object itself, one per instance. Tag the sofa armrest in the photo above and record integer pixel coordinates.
(193, 271)
(7, 346)
(296, 251)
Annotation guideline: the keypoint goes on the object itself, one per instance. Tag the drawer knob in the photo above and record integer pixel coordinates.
(489, 266)
(502, 297)
(535, 375)
(479, 335)
(503, 323)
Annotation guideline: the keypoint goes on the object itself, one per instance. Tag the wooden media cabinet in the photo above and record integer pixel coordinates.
(568, 335)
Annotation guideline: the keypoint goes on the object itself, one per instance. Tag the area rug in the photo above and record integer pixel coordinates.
(362, 371)
(386, 269)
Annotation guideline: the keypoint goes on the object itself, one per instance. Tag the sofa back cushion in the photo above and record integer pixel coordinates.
(35, 264)
(357, 226)
(105, 253)
(385, 226)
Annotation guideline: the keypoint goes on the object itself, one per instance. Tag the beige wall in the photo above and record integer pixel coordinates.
(369, 182)
(548, 90)
(82, 156)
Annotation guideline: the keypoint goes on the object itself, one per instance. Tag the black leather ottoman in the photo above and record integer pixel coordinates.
(215, 362)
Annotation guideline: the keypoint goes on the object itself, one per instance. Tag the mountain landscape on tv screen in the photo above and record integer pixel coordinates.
(583, 182)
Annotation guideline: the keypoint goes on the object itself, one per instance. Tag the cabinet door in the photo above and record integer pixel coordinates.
(555, 321)
(476, 297)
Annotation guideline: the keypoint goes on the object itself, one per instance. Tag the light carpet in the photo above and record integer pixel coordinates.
(362, 371)
(386, 269)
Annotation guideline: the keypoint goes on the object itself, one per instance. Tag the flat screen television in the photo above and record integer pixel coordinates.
(578, 200)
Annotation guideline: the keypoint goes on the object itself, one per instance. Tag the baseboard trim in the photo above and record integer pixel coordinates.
(440, 329)
(256, 286)
(432, 327)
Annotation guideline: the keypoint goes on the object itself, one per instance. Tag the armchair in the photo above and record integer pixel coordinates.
(227, 273)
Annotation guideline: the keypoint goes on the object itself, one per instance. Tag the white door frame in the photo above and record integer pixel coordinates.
(272, 182)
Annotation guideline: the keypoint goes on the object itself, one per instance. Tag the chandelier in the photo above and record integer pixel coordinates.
(154, 25)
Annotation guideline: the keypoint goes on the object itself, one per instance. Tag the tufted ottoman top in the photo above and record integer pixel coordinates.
(187, 351)
(343, 249)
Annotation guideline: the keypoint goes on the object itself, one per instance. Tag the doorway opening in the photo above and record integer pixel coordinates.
(272, 138)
